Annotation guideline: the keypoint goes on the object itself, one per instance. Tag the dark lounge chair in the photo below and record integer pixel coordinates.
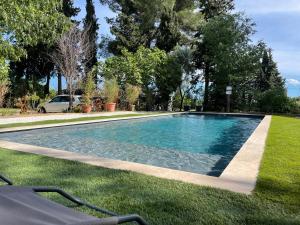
(23, 206)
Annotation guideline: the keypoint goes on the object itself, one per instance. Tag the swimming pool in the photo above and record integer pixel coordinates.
(202, 144)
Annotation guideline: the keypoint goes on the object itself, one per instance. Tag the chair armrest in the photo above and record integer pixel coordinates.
(6, 180)
(106, 221)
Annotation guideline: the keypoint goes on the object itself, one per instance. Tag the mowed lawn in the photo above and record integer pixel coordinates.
(275, 201)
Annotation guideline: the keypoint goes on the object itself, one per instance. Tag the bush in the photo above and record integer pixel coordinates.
(132, 93)
(111, 90)
(88, 89)
(274, 100)
(4, 80)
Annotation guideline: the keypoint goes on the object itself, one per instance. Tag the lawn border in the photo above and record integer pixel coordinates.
(239, 176)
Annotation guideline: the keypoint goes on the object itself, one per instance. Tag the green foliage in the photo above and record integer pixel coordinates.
(88, 89)
(132, 93)
(168, 79)
(143, 23)
(274, 100)
(33, 100)
(168, 31)
(27, 23)
(4, 80)
(124, 68)
(8, 111)
(90, 23)
(111, 90)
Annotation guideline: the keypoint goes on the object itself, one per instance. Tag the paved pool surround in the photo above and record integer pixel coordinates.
(239, 176)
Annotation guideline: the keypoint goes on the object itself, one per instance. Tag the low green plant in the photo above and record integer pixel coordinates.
(8, 111)
(111, 90)
(4, 80)
(33, 99)
(88, 89)
(132, 93)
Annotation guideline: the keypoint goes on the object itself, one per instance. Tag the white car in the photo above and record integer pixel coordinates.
(60, 103)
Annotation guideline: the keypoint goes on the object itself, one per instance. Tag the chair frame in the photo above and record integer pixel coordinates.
(121, 218)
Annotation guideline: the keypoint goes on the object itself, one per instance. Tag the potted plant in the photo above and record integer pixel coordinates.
(111, 92)
(88, 90)
(132, 94)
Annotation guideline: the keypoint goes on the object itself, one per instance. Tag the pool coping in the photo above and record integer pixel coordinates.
(239, 176)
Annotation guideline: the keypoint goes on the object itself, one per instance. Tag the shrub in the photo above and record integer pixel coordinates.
(274, 100)
(132, 93)
(88, 89)
(111, 90)
(4, 80)
(33, 100)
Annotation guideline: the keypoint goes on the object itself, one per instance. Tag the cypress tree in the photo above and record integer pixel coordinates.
(90, 23)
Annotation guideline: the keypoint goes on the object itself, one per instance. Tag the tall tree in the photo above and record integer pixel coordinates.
(150, 23)
(69, 11)
(90, 23)
(168, 34)
(24, 25)
(210, 9)
(223, 41)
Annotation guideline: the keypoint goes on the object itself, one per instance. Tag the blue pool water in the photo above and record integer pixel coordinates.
(196, 143)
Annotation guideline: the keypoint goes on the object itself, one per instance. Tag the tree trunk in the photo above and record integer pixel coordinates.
(59, 84)
(47, 85)
(206, 89)
(70, 95)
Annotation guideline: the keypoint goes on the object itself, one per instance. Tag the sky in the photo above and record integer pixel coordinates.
(277, 24)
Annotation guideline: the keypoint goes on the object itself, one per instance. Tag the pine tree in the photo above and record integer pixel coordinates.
(90, 23)
(168, 31)
(210, 9)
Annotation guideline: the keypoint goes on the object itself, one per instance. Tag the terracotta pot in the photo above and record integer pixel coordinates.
(110, 107)
(86, 108)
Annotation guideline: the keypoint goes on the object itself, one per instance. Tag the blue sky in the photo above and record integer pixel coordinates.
(277, 23)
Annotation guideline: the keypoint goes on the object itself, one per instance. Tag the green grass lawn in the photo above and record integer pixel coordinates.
(45, 122)
(276, 199)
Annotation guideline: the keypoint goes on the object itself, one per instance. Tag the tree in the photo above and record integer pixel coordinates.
(168, 31)
(69, 11)
(151, 23)
(90, 22)
(221, 43)
(73, 50)
(29, 70)
(210, 9)
(189, 74)
(157, 73)
(28, 23)
(168, 79)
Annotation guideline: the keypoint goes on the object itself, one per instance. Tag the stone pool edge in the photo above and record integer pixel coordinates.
(35, 127)
(239, 176)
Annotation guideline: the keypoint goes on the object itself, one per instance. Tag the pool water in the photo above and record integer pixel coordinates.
(202, 144)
